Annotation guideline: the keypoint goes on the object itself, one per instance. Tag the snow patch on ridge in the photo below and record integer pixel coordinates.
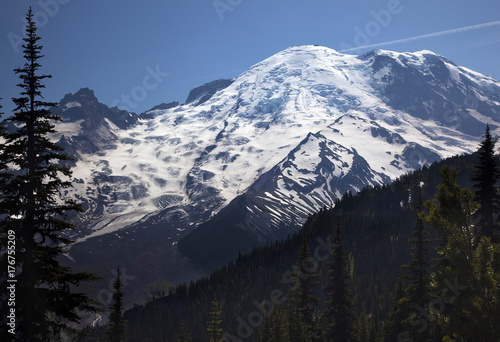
(206, 155)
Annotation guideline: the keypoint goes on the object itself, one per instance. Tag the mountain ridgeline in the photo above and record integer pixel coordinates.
(184, 189)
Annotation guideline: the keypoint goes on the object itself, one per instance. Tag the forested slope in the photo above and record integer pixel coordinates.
(377, 224)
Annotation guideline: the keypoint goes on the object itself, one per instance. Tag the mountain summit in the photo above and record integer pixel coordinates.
(249, 159)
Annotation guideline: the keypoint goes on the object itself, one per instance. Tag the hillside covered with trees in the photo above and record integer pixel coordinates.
(407, 260)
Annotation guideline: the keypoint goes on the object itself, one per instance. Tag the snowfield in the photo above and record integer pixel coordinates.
(310, 123)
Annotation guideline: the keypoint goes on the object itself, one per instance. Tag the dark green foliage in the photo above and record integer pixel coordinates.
(297, 322)
(307, 278)
(117, 325)
(368, 328)
(302, 299)
(214, 326)
(459, 299)
(396, 326)
(485, 178)
(377, 225)
(419, 266)
(408, 315)
(296, 330)
(275, 328)
(184, 334)
(339, 315)
(32, 209)
(467, 276)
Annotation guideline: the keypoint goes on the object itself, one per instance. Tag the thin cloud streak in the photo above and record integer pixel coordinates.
(424, 36)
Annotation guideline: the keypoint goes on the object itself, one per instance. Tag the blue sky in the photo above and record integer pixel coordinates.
(137, 54)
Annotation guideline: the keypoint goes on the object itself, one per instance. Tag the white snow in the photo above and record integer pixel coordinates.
(72, 104)
(277, 102)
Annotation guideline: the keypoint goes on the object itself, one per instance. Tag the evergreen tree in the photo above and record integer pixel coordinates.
(214, 326)
(396, 326)
(279, 329)
(184, 334)
(301, 299)
(363, 327)
(485, 178)
(307, 282)
(419, 266)
(367, 328)
(419, 292)
(32, 208)
(340, 316)
(296, 328)
(413, 290)
(466, 275)
(266, 329)
(451, 214)
(274, 327)
(117, 326)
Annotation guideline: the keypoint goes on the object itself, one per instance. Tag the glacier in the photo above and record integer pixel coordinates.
(262, 151)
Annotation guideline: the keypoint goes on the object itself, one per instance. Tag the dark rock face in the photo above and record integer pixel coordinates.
(203, 93)
(430, 90)
(96, 121)
(163, 106)
(83, 105)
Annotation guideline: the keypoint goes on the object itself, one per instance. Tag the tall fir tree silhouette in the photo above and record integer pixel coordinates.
(214, 326)
(485, 178)
(32, 208)
(419, 290)
(184, 334)
(408, 318)
(340, 316)
(307, 296)
(301, 299)
(117, 325)
(396, 326)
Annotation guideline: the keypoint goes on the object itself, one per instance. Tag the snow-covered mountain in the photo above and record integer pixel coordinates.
(246, 161)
